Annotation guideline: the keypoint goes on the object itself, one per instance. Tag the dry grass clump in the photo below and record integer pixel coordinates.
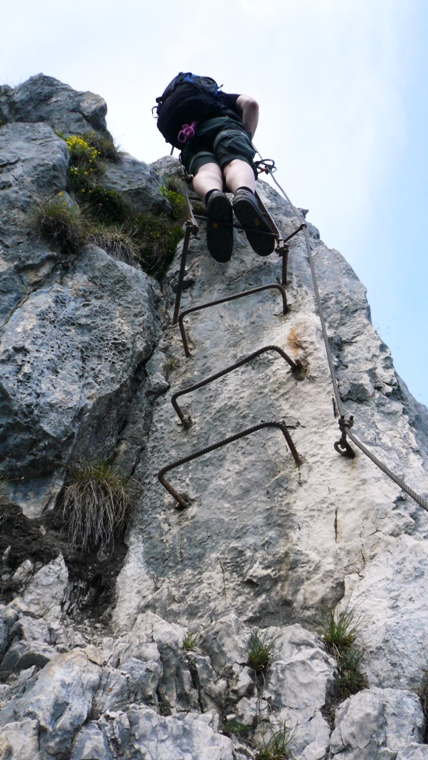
(116, 241)
(61, 222)
(95, 505)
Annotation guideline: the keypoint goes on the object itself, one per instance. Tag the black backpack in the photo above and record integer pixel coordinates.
(188, 98)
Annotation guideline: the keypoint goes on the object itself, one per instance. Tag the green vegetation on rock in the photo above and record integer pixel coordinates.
(102, 217)
(338, 631)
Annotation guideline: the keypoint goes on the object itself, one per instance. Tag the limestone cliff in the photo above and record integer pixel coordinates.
(144, 653)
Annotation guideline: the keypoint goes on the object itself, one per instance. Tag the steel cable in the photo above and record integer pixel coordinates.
(346, 424)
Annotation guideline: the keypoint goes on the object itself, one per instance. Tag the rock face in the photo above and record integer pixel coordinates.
(89, 362)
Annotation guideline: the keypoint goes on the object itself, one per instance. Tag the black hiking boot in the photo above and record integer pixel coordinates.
(253, 221)
(219, 226)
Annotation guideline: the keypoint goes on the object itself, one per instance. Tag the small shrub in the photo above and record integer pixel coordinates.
(84, 164)
(81, 154)
(259, 651)
(105, 206)
(62, 223)
(190, 641)
(177, 202)
(338, 631)
(278, 746)
(104, 146)
(95, 505)
(157, 240)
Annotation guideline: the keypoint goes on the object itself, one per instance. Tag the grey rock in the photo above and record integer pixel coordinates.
(45, 594)
(68, 356)
(29, 645)
(23, 572)
(43, 98)
(376, 723)
(187, 737)
(166, 168)
(390, 597)
(19, 741)
(59, 698)
(90, 744)
(137, 183)
(413, 751)
(34, 163)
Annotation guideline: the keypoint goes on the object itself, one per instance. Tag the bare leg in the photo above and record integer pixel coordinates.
(238, 173)
(209, 177)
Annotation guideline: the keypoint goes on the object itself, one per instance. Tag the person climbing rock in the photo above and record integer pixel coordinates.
(214, 130)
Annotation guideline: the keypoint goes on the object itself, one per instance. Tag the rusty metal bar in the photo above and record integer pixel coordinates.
(182, 272)
(296, 367)
(272, 223)
(191, 228)
(182, 499)
(284, 253)
(189, 209)
(224, 300)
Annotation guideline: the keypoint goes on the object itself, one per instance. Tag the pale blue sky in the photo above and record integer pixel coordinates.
(343, 93)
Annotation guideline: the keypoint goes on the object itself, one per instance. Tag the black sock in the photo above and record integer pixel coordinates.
(244, 187)
(214, 190)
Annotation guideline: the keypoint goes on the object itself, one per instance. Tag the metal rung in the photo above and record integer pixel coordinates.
(224, 300)
(296, 367)
(191, 226)
(182, 499)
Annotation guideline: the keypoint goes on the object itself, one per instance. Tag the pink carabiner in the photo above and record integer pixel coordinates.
(187, 131)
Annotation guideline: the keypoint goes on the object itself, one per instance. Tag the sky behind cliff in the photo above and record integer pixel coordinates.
(343, 93)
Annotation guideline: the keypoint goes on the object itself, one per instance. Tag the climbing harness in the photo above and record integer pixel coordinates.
(342, 446)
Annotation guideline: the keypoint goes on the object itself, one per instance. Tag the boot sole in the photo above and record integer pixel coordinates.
(253, 222)
(220, 229)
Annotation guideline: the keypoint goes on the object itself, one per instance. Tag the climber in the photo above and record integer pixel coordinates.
(214, 130)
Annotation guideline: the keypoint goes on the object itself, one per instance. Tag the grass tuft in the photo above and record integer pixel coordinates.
(259, 651)
(61, 222)
(278, 745)
(338, 631)
(191, 641)
(114, 240)
(95, 505)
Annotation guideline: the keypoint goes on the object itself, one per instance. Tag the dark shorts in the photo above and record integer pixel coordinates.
(217, 141)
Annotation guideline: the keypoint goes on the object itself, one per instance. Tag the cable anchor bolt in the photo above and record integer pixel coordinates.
(342, 446)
